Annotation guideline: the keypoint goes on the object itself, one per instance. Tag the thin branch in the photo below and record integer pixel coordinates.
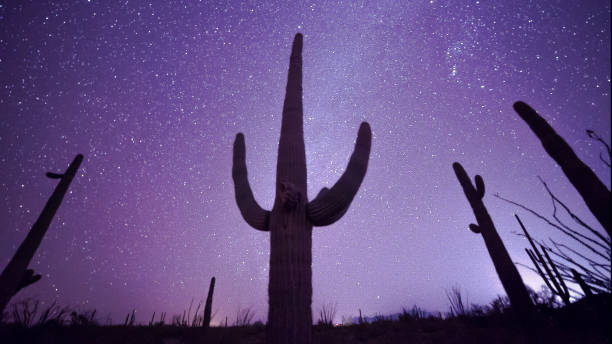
(603, 160)
(581, 255)
(574, 216)
(526, 266)
(592, 134)
(557, 226)
(605, 267)
(565, 257)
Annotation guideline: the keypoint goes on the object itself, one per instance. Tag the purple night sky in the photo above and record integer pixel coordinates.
(153, 93)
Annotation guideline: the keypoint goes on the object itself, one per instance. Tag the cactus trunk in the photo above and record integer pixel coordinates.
(290, 286)
(595, 193)
(208, 306)
(16, 275)
(508, 274)
(292, 217)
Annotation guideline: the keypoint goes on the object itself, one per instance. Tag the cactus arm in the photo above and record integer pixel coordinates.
(330, 204)
(28, 279)
(595, 194)
(472, 194)
(52, 175)
(474, 228)
(252, 213)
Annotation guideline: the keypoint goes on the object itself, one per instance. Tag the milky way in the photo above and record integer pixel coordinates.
(153, 94)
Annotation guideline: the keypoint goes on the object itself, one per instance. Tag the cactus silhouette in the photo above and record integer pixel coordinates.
(292, 217)
(28, 278)
(585, 287)
(549, 272)
(507, 272)
(595, 194)
(16, 274)
(208, 306)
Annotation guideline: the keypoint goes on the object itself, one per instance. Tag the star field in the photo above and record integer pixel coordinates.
(153, 93)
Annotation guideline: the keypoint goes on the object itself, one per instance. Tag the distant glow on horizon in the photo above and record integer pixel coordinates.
(154, 94)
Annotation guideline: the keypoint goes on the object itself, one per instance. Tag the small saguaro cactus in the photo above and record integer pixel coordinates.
(16, 274)
(208, 306)
(507, 272)
(595, 193)
(292, 217)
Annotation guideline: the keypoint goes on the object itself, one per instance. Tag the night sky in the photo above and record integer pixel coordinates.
(153, 93)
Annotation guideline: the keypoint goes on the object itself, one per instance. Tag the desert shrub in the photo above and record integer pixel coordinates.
(416, 313)
(31, 313)
(244, 317)
(457, 306)
(327, 313)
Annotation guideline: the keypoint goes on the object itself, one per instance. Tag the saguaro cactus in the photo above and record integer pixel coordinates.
(507, 272)
(208, 306)
(595, 194)
(292, 217)
(16, 275)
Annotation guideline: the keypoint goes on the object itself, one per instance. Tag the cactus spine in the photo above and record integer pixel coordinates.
(208, 307)
(292, 217)
(507, 272)
(16, 275)
(595, 194)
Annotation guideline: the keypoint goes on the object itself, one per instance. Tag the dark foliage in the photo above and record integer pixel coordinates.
(585, 321)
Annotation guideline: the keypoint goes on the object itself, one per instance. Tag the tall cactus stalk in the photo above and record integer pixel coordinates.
(292, 217)
(551, 276)
(585, 287)
(16, 275)
(595, 194)
(208, 306)
(507, 272)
